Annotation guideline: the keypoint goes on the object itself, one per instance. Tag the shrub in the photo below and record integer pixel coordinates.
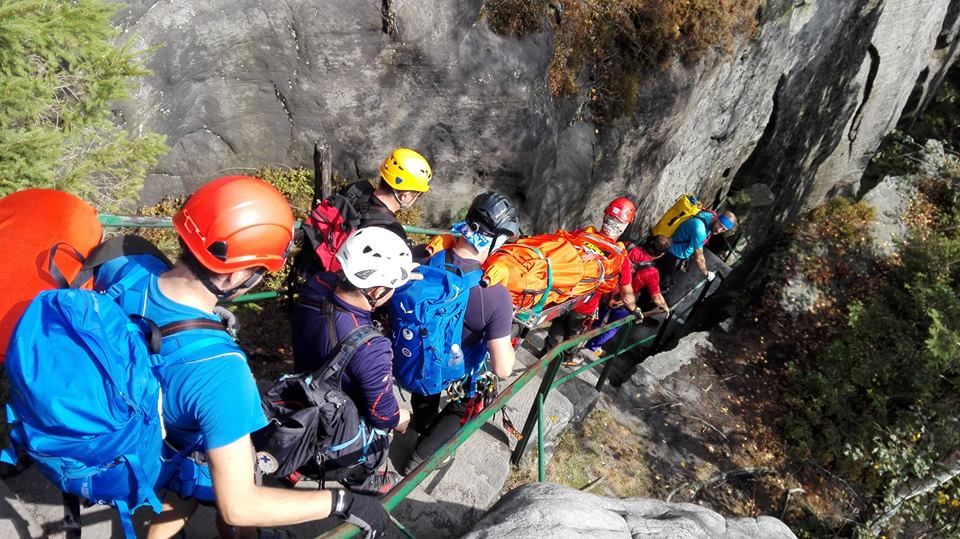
(59, 74)
(616, 41)
(516, 18)
(878, 401)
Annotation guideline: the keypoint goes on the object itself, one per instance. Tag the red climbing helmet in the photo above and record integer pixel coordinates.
(621, 209)
(236, 222)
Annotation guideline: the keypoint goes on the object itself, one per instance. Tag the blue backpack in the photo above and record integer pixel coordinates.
(85, 396)
(427, 317)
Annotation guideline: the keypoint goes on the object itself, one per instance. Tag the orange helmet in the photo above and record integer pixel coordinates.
(621, 209)
(236, 222)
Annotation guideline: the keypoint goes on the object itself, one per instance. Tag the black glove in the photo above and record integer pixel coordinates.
(365, 512)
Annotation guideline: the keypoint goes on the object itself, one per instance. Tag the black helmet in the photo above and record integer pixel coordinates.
(495, 213)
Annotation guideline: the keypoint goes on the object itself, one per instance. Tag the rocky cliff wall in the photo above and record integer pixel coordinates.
(800, 107)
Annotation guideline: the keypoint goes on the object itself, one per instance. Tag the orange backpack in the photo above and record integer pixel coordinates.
(543, 270)
(608, 256)
(69, 230)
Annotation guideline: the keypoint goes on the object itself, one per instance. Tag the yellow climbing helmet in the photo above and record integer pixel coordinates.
(406, 170)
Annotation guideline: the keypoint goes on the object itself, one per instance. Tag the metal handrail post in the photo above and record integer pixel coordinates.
(553, 358)
(661, 333)
(605, 373)
(531, 417)
(541, 465)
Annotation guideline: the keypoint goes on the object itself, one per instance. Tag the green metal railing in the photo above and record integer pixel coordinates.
(550, 363)
(137, 221)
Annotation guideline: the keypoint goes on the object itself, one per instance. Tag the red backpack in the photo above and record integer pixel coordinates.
(333, 220)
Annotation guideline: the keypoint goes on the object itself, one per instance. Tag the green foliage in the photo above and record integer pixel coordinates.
(940, 120)
(59, 74)
(896, 157)
(834, 244)
(164, 238)
(880, 401)
(295, 183)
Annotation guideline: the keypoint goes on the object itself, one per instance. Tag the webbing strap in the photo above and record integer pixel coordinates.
(9, 454)
(546, 292)
(344, 445)
(128, 245)
(71, 515)
(345, 350)
(191, 323)
(596, 238)
(126, 519)
(144, 487)
(138, 274)
(54, 270)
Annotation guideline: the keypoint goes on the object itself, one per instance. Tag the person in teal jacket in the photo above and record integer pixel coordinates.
(688, 242)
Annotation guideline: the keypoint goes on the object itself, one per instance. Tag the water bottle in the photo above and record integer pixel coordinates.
(456, 355)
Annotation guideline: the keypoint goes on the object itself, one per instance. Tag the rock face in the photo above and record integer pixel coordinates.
(655, 369)
(800, 107)
(540, 510)
(890, 199)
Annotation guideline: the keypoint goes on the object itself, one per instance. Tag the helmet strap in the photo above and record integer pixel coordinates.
(406, 206)
(203, 275)
(371, 299)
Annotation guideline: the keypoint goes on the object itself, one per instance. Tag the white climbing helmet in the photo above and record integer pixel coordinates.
(374, 256)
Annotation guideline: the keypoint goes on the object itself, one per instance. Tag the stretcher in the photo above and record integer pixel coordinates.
(529, 319)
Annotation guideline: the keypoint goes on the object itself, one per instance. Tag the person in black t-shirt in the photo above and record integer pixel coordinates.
(490, 222)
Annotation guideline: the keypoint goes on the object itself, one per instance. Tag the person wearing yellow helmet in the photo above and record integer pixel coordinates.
(404, 176)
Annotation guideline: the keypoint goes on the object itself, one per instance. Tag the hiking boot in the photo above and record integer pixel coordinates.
(573, 362)
(377, 484)
(417, 460)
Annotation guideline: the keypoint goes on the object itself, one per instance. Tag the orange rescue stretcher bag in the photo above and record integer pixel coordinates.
(602, 258)
(546, 269)
(537, 271)
(41, 256)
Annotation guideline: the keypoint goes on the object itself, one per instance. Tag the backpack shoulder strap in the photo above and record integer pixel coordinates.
(343, 352)
(127, 245)
(191, 323)
(155, 334)
(471, 275)
(706, 222)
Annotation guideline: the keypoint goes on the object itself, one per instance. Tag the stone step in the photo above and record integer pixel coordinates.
(457, 495)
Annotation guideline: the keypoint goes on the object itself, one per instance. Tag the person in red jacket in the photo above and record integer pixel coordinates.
(646, 285)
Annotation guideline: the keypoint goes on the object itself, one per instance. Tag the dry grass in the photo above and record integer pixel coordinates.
(615, 42)
(602, 457)
(516, 18)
